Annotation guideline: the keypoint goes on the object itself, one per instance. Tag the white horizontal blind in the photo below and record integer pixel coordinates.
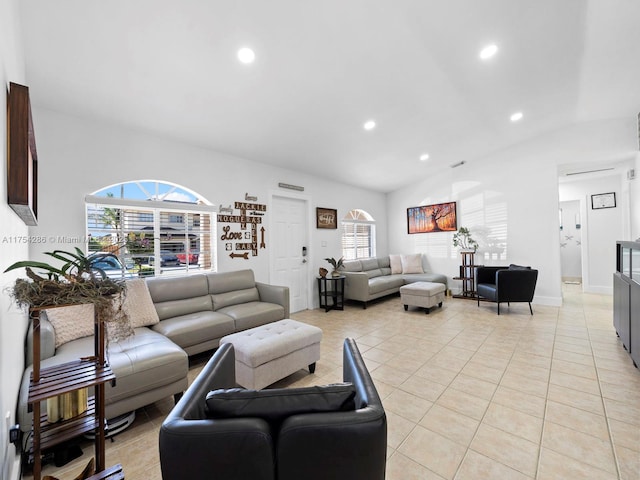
(358, 240)
(153, 237)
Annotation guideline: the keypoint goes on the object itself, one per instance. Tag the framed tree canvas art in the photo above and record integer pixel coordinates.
(440, 217)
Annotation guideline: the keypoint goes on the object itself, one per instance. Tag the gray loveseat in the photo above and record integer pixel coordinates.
(372, 278)
(194, 313)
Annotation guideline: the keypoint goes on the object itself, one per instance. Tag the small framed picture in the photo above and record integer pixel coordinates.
(603, 200)
(326, 218)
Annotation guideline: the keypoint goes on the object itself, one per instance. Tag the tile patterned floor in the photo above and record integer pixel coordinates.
(469, 394)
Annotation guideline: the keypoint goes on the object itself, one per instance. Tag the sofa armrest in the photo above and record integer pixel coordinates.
(356, 286)
(47, 341)
(516, 285)
(274, 294)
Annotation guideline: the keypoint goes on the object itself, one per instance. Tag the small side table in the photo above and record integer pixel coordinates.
(331, 292)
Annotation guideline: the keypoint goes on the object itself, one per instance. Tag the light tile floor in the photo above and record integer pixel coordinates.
(468, 394)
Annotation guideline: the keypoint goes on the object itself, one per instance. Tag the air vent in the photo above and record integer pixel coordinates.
(459, 164)
(631, 174)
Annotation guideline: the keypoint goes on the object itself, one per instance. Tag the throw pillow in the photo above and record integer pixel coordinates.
(412, 263)
(274, 405)
(513, 266)
(396, 264)
(71, 322)
(138, 305)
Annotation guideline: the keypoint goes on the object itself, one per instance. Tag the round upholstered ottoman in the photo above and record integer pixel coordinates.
(422, 294)
(270, 352)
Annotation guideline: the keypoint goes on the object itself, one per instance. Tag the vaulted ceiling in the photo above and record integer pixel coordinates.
(324, 68)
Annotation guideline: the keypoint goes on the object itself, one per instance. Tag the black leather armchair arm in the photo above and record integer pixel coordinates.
(191, 444)
(338, 445)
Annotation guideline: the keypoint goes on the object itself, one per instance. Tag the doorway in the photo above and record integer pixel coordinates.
(289, 259)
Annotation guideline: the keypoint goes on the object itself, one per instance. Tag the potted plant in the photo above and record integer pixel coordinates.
(462, 239)
(336, 264)
(76, 282)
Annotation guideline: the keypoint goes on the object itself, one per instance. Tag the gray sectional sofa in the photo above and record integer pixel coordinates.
(372, 278)
(193, 314)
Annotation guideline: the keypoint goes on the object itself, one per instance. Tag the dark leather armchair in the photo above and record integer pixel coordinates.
(506, 284)
(311, 446)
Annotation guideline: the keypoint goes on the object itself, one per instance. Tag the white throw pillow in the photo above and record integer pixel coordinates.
(412, 263)
(395, 262)
(71, 322)
(138, 305)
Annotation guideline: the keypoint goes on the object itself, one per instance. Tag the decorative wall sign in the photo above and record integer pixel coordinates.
(440, 217)
(241, 236)
(326, 218)
(603, 200)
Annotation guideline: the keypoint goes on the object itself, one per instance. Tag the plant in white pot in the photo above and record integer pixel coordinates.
(336, 264)
(463, 240)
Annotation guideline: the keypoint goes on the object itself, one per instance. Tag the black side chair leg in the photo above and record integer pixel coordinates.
(530, 309)
(498, 308)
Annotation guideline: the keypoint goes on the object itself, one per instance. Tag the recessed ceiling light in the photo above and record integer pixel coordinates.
(369, 125)
(424, 157)
(516, 116)
(246, 55)
(489, 51)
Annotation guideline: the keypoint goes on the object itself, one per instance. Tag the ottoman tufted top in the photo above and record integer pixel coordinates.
(265, 343)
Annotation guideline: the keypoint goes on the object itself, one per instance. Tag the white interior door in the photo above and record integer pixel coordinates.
(289, 245)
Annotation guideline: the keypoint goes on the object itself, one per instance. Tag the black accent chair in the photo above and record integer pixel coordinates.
(352, 444)
(506, 284)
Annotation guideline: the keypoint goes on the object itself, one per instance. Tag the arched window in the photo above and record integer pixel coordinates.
(155, 228)
(358, 235)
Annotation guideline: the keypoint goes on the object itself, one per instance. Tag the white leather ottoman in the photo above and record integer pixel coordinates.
(422, 294)
(270, 352)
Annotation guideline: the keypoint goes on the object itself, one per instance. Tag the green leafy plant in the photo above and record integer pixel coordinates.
(336, 264)
(77, 281)
(462, 238)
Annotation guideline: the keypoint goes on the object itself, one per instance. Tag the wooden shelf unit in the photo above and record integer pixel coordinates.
(467, 276)
(64, 378)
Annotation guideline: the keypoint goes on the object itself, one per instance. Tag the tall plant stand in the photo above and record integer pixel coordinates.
(467, 276)
(54, 381)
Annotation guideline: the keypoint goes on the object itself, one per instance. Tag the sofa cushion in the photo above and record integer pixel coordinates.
(387, 282)
(274, 405)
(235, 297)
(395, 261)
(195, 328)
(412, 263)
(167, 289)
(230, 281)
(369, 264)
(144, 362)
(352, 266)
(253, 314)
(384, 262)
(376, 272)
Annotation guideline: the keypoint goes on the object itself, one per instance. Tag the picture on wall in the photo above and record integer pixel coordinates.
(440, 217)
(326, 218)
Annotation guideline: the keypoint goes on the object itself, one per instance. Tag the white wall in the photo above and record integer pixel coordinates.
(78, 157)
(515, 191)
(13, 322)
(601, 228)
